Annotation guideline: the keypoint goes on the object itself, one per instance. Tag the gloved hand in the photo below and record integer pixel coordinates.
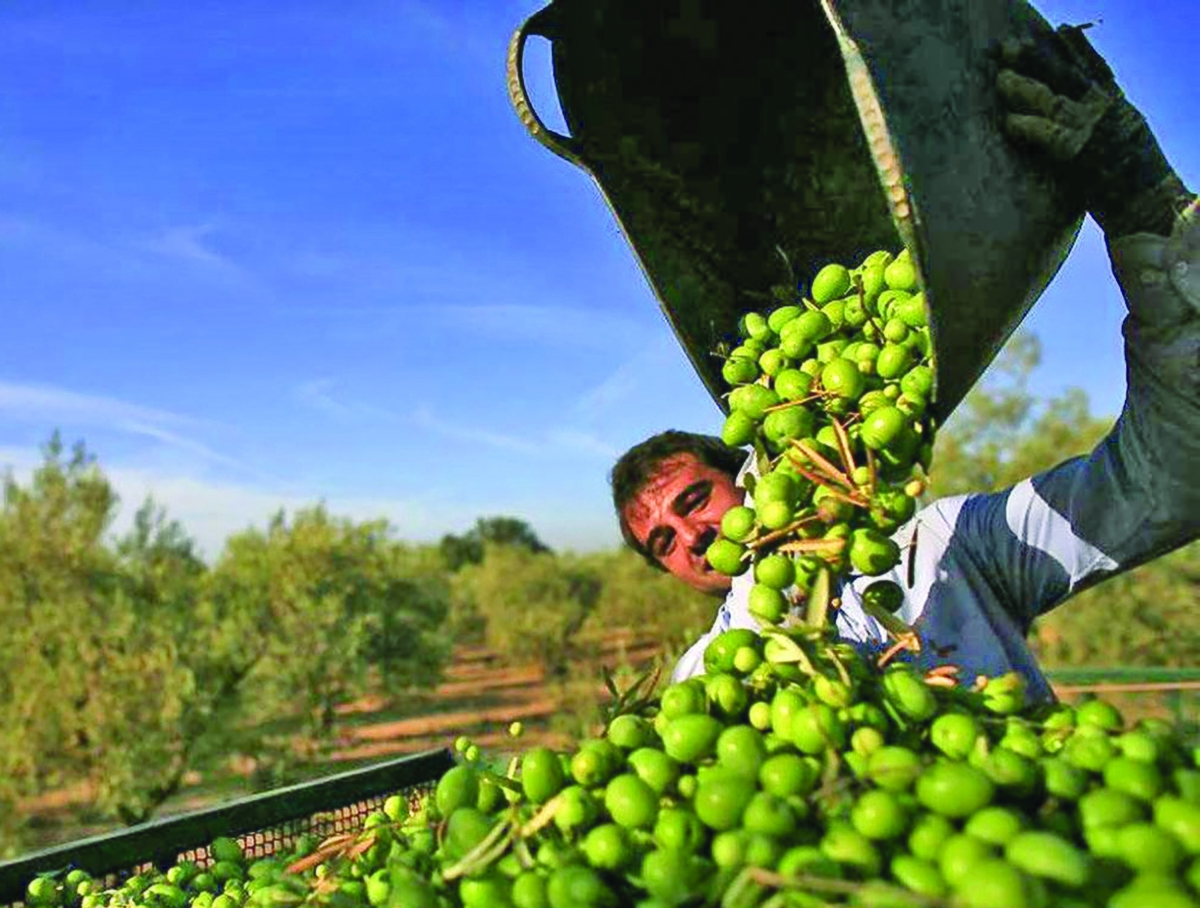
(1063, 101)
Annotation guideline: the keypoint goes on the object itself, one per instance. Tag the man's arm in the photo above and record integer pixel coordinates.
(1135, 497)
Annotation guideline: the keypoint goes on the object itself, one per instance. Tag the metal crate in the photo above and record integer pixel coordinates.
(263, 824)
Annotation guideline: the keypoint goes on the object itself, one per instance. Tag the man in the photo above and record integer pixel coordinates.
(671, 492)
(978, 569)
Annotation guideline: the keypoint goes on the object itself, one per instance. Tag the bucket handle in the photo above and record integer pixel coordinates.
(565, 147)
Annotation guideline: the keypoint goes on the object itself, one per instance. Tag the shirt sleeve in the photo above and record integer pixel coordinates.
(1136, 496)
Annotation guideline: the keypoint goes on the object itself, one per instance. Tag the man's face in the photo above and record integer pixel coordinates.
(677, 515)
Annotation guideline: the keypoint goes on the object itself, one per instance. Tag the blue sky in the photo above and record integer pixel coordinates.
(260, 254)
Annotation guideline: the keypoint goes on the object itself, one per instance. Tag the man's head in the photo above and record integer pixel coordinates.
(670, 493)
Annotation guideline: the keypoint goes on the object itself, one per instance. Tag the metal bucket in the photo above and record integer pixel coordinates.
(722, 133)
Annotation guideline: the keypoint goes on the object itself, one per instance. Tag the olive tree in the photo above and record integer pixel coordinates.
(533, 604)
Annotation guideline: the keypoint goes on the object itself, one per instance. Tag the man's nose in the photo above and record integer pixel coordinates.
(699, 538)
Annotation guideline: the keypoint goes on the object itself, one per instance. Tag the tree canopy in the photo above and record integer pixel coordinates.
(128, 661)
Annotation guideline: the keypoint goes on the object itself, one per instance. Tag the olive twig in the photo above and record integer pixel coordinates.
(844, 446)
(741, 883)
(782, 533)
(361, 847)
(839, 887)
(524, 855)
(812, 477)
(873, 467)
(542, 817)
(788, 652)
(943, 670)
(494, 844)
(902, 643)
(843, 673)
(818, 599)
(821, 463)
(331, 847)
(852, 498)
(895, 628)
(813, 547)
(506, 781)
(787, 404)
(940, 681)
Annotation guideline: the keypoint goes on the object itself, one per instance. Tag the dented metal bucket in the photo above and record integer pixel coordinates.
(724, 133)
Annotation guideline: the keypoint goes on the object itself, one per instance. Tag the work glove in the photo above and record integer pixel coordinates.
(1063, 101)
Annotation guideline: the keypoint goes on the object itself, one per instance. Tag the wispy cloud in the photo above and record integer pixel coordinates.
(146, 258)
(181, 443)
(545, 443)
(583, 442)
(317, 394)
(187, 243)
(564, 326)
(425, 418)
(36, 240)
(48, 405)
(624, 382)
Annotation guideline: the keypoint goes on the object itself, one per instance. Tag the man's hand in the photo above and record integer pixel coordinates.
(1063, 101)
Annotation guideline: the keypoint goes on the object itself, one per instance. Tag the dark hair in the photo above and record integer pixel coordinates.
(639, 464)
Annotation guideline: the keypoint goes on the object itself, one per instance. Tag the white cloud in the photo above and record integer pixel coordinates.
(20, 460)
(619, 385)
(212, 511)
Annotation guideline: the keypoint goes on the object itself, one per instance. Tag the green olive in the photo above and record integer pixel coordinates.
(831, 282)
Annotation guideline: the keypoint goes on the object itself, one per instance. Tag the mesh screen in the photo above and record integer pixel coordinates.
(263, 843)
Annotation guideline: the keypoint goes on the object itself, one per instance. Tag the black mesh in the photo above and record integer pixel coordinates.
(263, 843)
(262, 824)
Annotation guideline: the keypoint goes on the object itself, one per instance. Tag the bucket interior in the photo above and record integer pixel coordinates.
(735, 140)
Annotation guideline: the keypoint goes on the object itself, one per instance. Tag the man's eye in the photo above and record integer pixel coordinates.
(661, 542)
(695, 498)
